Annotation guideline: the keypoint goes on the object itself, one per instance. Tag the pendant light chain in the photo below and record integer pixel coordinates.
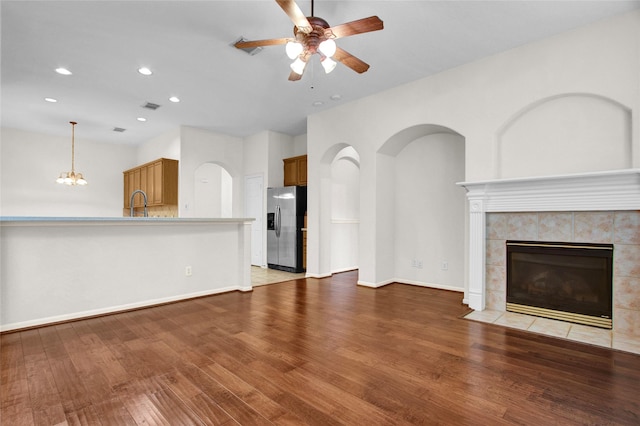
(73, 146)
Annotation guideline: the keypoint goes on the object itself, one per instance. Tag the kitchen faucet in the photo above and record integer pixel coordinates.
(144, 196)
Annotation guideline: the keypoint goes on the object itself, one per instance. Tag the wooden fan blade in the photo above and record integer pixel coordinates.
(351, 61)
(364, 25)
(246, 44)
(294, 76)
(292, 10)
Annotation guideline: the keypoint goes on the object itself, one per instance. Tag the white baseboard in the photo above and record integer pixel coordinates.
(411, 282)
(376, 285)
(310, 275)
(113, 309)
(431, 285)
(350, 268)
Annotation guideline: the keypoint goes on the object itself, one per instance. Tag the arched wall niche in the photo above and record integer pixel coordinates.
(401, 139)
(339, 211)
(420, 227)
(213, 186)
(345, 210)
(563, 134)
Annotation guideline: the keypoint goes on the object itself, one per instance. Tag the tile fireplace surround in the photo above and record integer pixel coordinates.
(599, 207)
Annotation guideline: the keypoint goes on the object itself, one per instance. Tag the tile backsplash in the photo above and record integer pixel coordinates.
(620, 228)
(154, 211)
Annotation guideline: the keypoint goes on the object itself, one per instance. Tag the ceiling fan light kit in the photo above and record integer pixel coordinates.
(314, 35)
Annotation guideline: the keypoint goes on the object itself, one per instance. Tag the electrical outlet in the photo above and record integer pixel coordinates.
(187, 271)
(444, 265)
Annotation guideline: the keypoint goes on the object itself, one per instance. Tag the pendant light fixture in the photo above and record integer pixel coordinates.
(72, 178)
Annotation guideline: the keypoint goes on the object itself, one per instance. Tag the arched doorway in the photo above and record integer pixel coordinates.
(213, 191)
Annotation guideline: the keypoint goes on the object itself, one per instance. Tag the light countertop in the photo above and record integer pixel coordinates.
(126, 221)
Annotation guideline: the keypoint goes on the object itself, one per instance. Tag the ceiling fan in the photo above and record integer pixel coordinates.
(314, 35)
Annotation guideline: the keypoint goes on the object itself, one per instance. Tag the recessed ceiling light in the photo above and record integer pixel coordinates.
(51, 100)
(144, 71)
(174, 99)
(317, 103)
(335, 97)
(63, 71)
(141, 119)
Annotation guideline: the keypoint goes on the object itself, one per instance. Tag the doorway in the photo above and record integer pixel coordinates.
(213, 191)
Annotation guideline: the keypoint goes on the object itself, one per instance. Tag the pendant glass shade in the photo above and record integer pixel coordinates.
(328, 48)
(298, 66)
(293, 49)
(72, 178)
(328, 64)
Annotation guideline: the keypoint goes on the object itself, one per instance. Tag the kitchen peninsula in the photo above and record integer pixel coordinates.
(58, 269)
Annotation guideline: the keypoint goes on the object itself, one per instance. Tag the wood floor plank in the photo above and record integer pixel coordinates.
(196, 400)
(310, 351)
(230, 403)
(249, 394)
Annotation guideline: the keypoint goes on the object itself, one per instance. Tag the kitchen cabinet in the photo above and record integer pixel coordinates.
(295, 171)
(158, 179)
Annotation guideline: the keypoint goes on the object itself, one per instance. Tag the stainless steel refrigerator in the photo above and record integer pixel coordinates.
(286, 207)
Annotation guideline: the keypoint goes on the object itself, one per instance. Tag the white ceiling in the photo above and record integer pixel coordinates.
(188, 46)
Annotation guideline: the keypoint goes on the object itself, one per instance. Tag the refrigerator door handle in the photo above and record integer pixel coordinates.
(278, 224)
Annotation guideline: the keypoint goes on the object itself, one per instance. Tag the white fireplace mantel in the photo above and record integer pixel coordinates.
(596, 191)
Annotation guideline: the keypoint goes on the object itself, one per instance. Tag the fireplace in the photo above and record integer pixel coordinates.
(565, 281)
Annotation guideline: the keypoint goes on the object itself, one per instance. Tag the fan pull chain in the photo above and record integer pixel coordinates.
(313, 74)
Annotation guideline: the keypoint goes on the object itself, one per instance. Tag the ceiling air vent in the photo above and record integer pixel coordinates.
(118, 129)
(151, 106)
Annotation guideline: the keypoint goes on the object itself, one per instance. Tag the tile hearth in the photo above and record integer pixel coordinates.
(580, 333)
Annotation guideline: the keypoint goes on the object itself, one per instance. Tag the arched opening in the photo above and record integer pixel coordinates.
(420, 211)
(345, 210)
(213, 191)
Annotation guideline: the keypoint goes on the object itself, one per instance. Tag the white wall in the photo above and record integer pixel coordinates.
(116, 265)
(198, 147)
(430, 212)
(280, 146)
(256, 154)
(477, 101)
(31, 162)
(572, 133)
(299, 145)
(166, 145)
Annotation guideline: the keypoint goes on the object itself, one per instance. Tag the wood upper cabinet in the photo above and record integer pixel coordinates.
(295, 171)
(158, 179)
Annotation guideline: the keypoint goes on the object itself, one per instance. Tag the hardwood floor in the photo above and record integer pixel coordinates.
(310, 352)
